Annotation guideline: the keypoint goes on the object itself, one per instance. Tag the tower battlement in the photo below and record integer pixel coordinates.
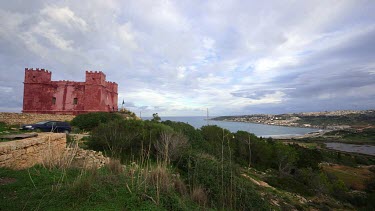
(95, 77)
(37, 75)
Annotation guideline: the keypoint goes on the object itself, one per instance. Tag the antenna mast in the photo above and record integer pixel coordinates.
(207, 117)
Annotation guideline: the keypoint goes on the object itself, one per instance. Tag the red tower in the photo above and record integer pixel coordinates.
(41, 95)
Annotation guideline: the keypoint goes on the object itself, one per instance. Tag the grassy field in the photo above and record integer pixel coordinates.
(40, 188)
(354, 177)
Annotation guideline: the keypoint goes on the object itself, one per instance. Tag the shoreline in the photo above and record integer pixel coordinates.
(299, 126)
(316, 133)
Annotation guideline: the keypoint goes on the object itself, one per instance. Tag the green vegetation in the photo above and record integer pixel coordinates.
(173, 166)
(126, 139)
(354, 136)
(349, 136)
(127, 113)
(6, 129)
(155, 117)
(109, 188)
(89, 121)
(3, 127)
(349, 119)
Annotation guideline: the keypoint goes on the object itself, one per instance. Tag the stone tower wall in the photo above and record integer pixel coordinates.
(41, 95)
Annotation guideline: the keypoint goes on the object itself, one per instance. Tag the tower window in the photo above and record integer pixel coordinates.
(53, 100)
(75, 101)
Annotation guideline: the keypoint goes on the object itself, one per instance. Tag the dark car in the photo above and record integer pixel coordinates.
(49, 126)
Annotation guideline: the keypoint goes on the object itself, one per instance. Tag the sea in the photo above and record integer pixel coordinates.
(260, 130)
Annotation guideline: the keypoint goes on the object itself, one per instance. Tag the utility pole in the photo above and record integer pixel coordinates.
(207, 116)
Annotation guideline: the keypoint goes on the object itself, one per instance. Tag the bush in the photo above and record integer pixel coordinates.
(199, 196)
(170, 145)
(89, 121)
(160, 177)
(3, 126)
(127, 138)
(194, 135)
(116, 136)
(290, 184)
(216, 139)
(222, 183)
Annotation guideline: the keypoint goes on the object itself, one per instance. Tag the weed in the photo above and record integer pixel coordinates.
(114, 166)
(160, 178)
(180, 186)
(199, 196)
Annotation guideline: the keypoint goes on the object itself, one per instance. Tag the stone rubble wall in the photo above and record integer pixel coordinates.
(50, 150)
(86, 159)
(25, 153)
(25, 118)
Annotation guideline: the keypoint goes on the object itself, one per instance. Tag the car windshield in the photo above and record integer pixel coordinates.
(41, 123)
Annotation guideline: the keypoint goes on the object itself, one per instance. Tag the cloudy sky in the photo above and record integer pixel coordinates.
(178, 58)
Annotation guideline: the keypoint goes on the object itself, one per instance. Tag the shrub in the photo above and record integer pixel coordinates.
(290, 184)
(199, 196)
(217, 140)
(116, 136)
(3, 126)
(170, 145)
(159, 177)
(193, 134)
(372, 169)
(114, 166)
(222, 183)
(127, 138)
(180, 186)
(89, 121)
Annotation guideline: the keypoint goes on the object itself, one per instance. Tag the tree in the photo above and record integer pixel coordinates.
(170, 145)
(155, 117)
(243, 147)
(286, 156)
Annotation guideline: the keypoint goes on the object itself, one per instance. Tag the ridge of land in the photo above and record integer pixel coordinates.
(330, 120)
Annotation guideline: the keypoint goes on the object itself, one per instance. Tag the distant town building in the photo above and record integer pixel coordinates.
(41, 95)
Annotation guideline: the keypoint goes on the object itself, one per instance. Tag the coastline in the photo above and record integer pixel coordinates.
(299, 126)
(314, 133)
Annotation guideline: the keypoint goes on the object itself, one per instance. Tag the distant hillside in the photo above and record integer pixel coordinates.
(329, 120)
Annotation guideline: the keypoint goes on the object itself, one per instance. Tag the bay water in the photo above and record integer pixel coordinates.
(258, 129)
(357, 148)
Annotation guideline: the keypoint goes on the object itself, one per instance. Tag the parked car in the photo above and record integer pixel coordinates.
(49, 126)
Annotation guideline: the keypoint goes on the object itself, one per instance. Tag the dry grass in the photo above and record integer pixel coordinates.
(355, 178)
(54, 159)
(159, 177)
(115, 166)
(199, 196)
(180, 186)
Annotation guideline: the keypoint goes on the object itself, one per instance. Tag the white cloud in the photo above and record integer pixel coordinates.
(265, 64)
(181, 72)
(127, 36)
(65, 16)
(183, 57)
